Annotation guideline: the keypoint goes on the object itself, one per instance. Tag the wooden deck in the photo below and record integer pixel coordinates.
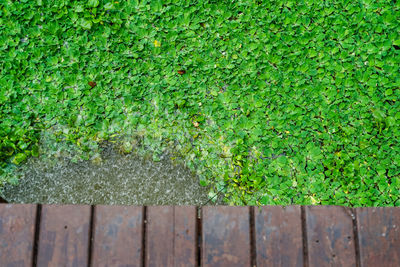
(71, 235)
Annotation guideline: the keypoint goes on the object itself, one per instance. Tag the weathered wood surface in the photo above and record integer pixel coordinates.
(171, 236)
(64, 235)
(17, 230)
(226, 236)
(54, 235)
(279, 240)
(117, 236)
(185, 247)
(379, 236)
(330, 236)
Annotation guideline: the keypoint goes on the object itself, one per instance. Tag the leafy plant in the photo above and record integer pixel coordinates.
(271, 102)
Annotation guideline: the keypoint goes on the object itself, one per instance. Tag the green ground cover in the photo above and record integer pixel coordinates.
(271, 102)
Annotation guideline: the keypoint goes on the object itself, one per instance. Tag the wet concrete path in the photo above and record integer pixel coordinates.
(117, 179)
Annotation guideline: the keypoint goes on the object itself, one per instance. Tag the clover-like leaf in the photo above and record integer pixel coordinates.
(93, 3)
(86, 24)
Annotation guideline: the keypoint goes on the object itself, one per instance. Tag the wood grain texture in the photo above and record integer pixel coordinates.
(330, 236)
(278, 235)
(225, 236)
(117, 236)
(159, 236)
(185, 245)
(171, 236)
(63, 238)
(379, 236)
(17, 230)
(64, 235)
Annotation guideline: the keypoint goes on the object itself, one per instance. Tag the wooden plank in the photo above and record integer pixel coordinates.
(185, 246)
(330, 239)
(278, 235)
(159, 236)
(171, 236)
(379, 236)
(225, 236)
(117, 236)
(64, 235)
(17, 230)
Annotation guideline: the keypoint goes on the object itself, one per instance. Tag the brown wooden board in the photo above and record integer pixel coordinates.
(278, 236)
(159, 236)
(117, 236)
(225, 236)
(330, 238)
(171, 236)
(64, 235)
(17, 230)
(185, 246)
(379, 236)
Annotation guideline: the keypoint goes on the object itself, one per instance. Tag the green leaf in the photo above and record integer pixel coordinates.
(388, 92)
(35, 151)
(203, 183)
(18, 158)
(93, 3)
(108, 6)
(378, 114)
(86, 24)
(79, 8)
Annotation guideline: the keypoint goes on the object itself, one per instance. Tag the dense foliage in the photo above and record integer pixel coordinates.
(271, 102)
